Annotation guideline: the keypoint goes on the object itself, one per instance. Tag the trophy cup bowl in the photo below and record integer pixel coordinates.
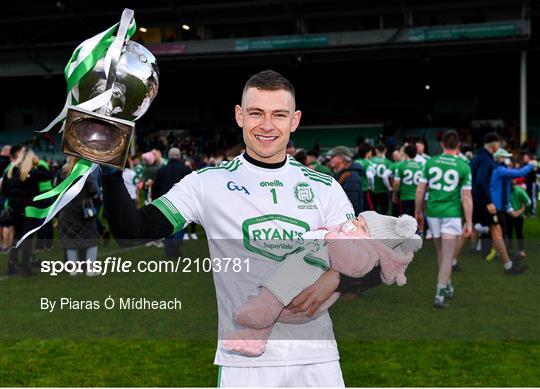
(105, 137)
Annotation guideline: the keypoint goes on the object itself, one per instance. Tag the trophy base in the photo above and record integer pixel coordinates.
(97, 138)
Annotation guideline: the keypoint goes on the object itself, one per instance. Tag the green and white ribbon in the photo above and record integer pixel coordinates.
(107, 44)
(66, 191)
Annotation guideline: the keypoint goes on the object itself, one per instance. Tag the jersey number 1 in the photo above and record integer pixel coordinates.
(274, 195)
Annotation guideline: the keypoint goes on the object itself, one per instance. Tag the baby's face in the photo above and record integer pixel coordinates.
(356, 226)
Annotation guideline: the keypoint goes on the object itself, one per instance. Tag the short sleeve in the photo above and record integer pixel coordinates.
(466, 178)
(397, 172)
(424, 176)
(338, 207)
(181, 205)
(525, 199)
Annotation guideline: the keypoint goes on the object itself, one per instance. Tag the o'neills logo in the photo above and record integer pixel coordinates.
(271, 183)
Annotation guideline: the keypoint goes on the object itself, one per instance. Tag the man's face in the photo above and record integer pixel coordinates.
(267, 119)
(494, 146)
(337, 163)
(420, 147)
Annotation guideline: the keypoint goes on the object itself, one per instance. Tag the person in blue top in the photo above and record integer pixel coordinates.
(501, 183)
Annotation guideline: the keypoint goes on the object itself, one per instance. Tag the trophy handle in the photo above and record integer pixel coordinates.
(115, 50)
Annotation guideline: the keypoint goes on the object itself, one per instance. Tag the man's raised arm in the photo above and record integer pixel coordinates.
(131, 226)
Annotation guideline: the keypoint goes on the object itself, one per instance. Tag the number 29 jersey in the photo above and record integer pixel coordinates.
(446, 176)
(252, 212)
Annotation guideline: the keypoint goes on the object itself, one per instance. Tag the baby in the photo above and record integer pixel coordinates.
(354, 248)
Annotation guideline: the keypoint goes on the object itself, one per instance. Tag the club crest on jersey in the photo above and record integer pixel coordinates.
(304, 194)
(232, 187)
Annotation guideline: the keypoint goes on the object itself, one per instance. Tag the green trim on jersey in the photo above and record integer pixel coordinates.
(312, 174)
(249, 242)
(219, 377)
(314, 261)
(226, 165)
(170, 212)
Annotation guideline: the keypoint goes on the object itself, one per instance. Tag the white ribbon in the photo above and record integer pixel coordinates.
(66, 198)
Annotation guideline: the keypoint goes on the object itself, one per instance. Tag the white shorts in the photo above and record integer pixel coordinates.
(445, 225)
(327, 374)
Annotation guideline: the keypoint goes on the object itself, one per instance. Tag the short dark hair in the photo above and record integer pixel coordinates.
(14, 151)
(300, 156)
(410, 150)
(363, 149)
(381, 147)
(450, 140)
(491, 137)
(269, 80)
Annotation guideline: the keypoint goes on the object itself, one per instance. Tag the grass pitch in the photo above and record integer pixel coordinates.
(391, 336)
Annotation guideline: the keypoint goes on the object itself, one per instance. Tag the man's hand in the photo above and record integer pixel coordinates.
(491, 208)
(312, 297)
(420, 220)
(467, 230)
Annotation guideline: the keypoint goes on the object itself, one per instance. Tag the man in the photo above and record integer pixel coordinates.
(484, 211)
(501, 186)
(381, 188)
(166, 176)
(348, 174)
(421, 156)
(364, 153)
(406, 177)
(447, 180)
(263, 189)
(397, 157)
(312, 161)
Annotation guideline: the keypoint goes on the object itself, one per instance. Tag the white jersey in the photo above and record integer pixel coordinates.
(129, 181)
(244, 209)
(421, 158)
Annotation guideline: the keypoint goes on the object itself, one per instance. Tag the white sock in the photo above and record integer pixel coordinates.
(508, 265)
(481, 229)
(439, 295)
(454, 262)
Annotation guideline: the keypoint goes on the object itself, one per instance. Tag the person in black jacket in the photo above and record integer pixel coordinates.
(484, 210)
(166, 177)
(20, 184)
(78, 231)
(348, 174)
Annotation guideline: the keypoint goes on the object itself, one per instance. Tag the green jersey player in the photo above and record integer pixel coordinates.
(382, 167)
(407, 174)
(365, 152)
(254, 206)
(447, 180)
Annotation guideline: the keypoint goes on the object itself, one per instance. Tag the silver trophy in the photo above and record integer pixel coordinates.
(104, 136)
